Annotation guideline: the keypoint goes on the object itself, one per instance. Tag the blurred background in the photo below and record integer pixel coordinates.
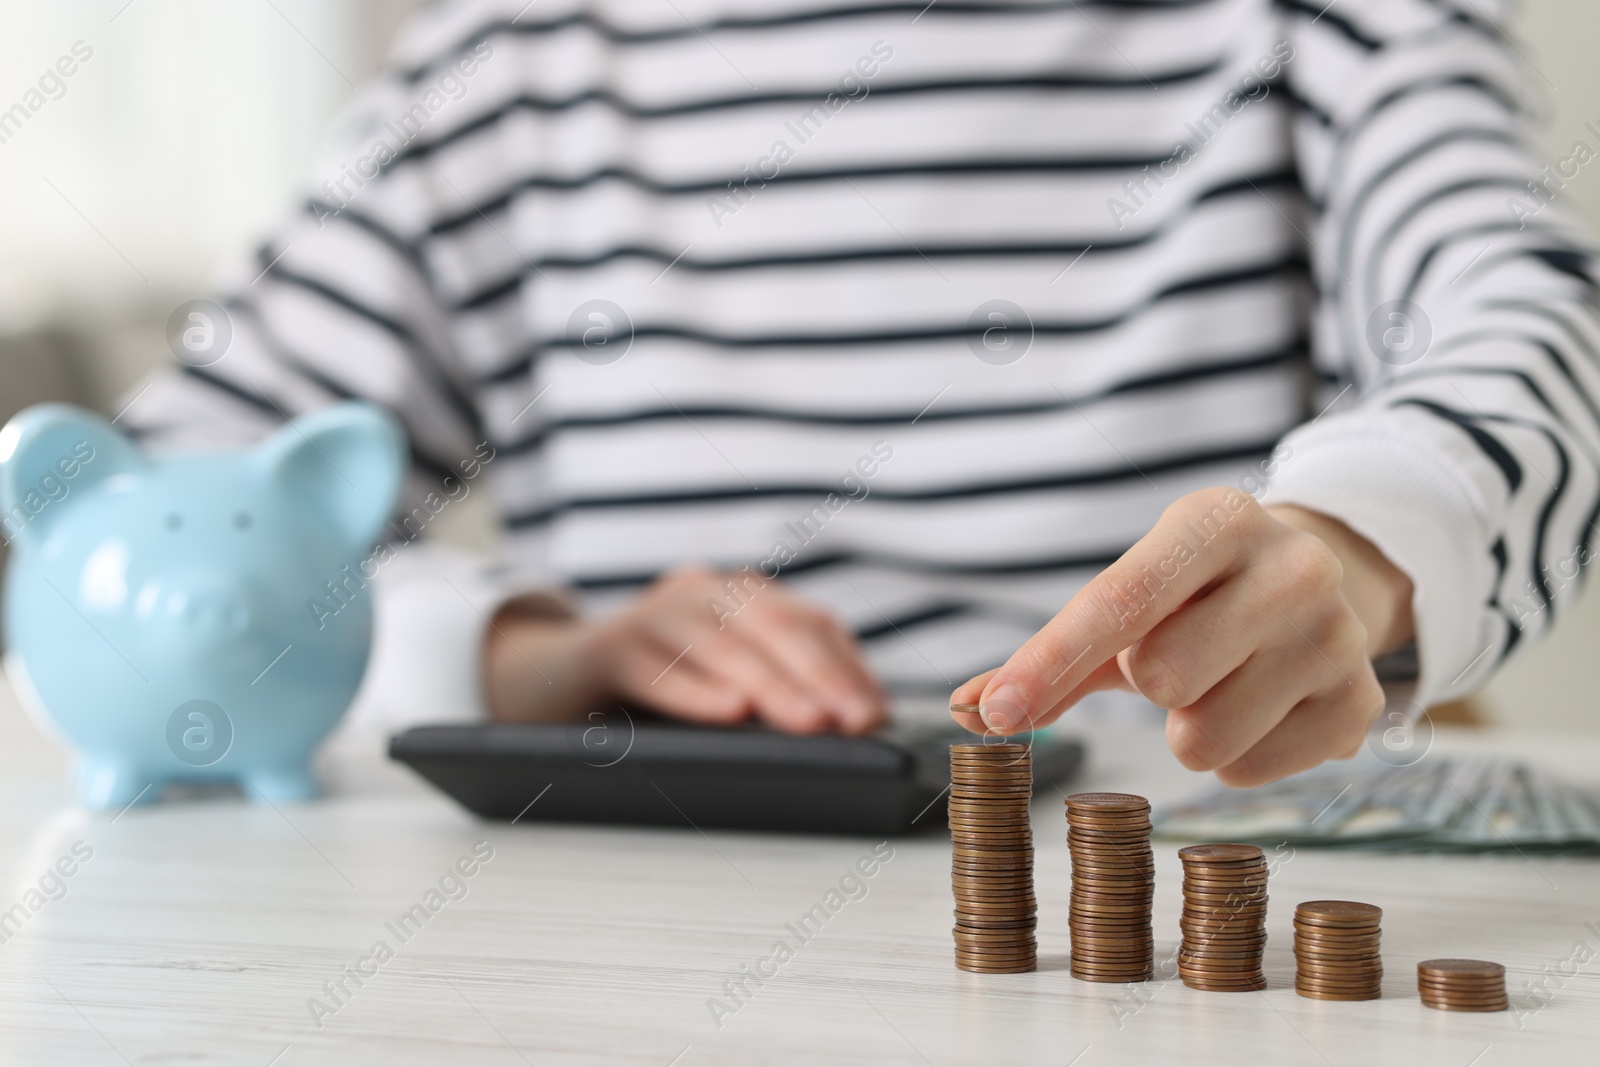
(190, 128)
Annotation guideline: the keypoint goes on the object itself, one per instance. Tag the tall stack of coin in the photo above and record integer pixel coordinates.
(1336, 950)
(1462, 985)
(1224, 920)
(1113, 885)
(992, 857)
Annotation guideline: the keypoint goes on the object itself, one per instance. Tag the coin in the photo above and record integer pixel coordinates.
(1093, 976)
(1198, 890)
(1224, 909)
(1240, 957)
(1023, 960)
(1145, 871)
(1200, 880)
(1452, 970)
(1133, 970)
(1124, 856)
(971, 841)
(1089, 803)
(995, 892)
(1131, 955)
(1010, 868)
(1332, 973)
(1349, 935)
(995, 920)
(975, 938)
(1464, 992)
(1341, 913)
(1359, 990)
(1243, 925)
(1013, 872)
(993, 788)
(1113, 887)
(1016, 940)
(1240, 971)
(1462, 985)
(1366, 947)
(1004, 882)
(994, 945)
(980, 932)
(991, 857)
(1114, 862)
(1107, 935)
(1462, 996)
(1336, 950)
(1220, 853)
(1128, 893)
(968, 852)
(1223, 917)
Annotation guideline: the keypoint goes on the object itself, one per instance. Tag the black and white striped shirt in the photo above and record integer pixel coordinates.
(693, 267)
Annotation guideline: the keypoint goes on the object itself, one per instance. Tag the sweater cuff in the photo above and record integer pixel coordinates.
(1406, 495)
(431, 617)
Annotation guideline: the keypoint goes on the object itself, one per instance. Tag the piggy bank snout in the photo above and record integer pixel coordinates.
(202, 608)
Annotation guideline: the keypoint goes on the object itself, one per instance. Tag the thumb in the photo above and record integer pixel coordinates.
(1198, 539)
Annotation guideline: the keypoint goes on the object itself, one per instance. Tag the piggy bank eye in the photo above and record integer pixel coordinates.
(241, 521)
(174, 520)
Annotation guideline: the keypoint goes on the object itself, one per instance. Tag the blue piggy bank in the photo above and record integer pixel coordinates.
(162, 612)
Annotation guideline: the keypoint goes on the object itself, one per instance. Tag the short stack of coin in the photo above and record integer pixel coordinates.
(1224, 917)
(1462, 985)
(1336, 950)
(992, 857)
(1113, 885)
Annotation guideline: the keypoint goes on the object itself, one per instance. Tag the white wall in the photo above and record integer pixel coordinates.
(182, 137)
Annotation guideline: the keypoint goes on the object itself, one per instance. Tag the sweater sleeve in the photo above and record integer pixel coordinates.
(340, 304)
(1456, 330)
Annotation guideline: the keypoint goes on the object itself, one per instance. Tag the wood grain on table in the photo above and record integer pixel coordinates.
(218, 932)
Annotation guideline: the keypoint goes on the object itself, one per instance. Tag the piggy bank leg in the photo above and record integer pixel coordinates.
(107, 783)
(282, 785)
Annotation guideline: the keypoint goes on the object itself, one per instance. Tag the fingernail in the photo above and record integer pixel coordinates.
(1006, 709)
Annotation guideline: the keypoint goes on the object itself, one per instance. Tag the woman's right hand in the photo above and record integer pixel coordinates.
(698, 645)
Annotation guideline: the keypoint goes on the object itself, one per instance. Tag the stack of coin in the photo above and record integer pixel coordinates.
(1113, 884)
(1224, 920)
(1462, 985)
(1336, 950)
(992, 857)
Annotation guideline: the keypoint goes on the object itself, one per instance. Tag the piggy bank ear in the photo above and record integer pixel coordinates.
(48, 453)
(344, 462)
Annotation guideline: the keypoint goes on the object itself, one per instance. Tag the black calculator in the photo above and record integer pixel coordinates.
(625, 766)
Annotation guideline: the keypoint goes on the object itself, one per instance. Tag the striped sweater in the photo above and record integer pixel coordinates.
(931, 308)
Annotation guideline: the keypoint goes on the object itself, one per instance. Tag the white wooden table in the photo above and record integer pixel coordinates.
(197, 933)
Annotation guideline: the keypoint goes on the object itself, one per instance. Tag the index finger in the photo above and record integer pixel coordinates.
(1196, 540)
